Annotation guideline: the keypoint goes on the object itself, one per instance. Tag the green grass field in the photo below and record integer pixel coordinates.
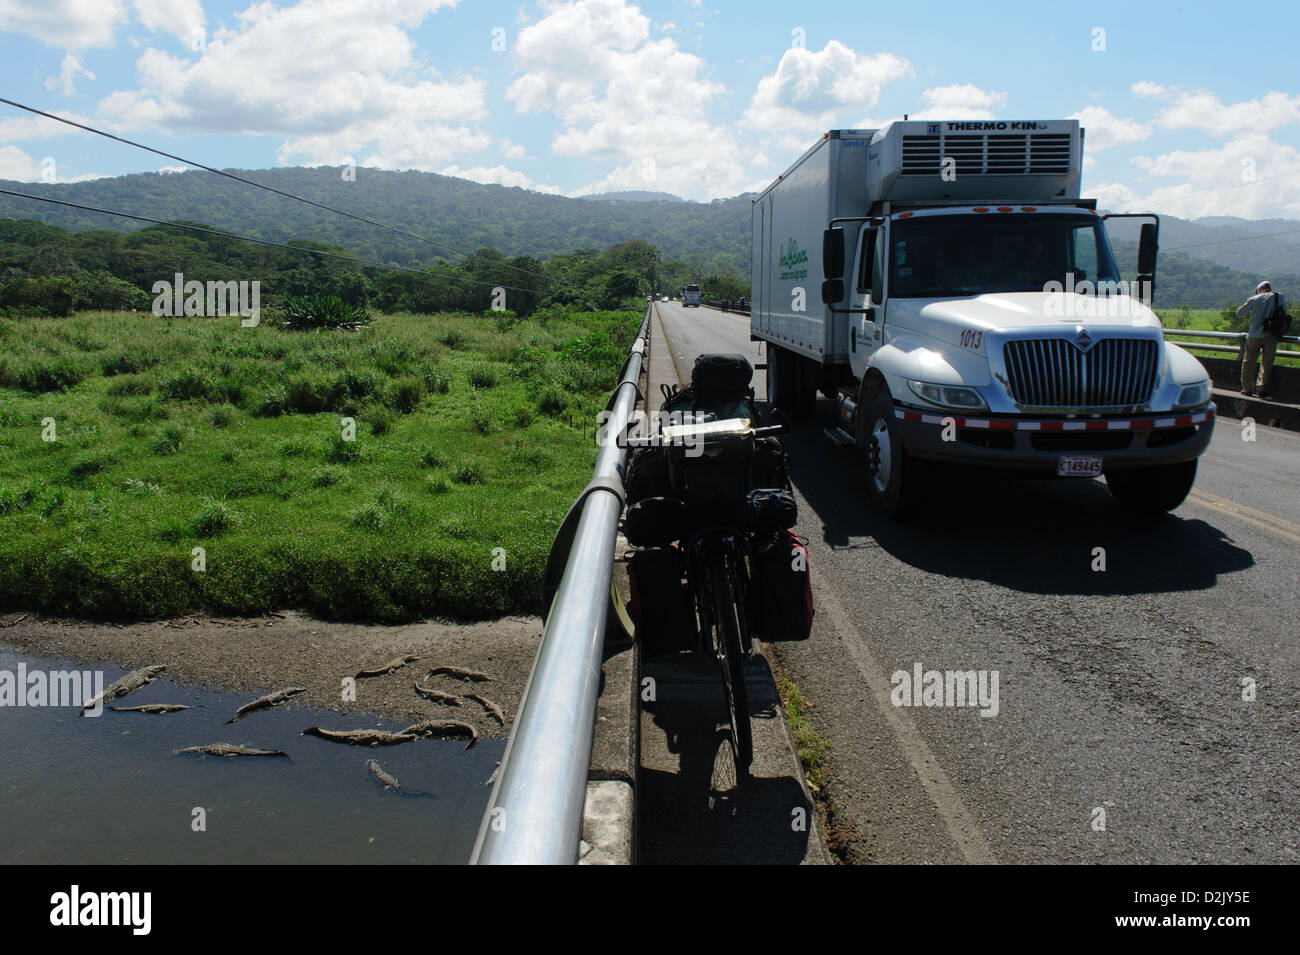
(127, 441)
(1208, 320)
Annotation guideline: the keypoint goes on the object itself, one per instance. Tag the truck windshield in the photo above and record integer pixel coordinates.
(950, 256)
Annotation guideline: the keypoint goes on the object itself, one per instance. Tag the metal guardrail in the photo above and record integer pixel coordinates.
(534, 815)
(725, 306)
(1238, 337)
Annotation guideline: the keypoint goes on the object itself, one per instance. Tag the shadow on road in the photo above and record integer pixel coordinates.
(1032, 536)
(693, 811)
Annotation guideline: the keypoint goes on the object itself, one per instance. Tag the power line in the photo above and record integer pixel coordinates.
(278, 192)
(1242, 238)
(245, 238)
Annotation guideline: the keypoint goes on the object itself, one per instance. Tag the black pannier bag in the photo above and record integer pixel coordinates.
(782, 607)
(767, 509)
(647, 474)
(654, 521)
(661, 605)
(770, 466)
(721, 375)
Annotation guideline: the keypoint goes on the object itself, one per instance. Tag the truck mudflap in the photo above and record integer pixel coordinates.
(1037, 445)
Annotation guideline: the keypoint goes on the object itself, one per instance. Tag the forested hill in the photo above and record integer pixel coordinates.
(704, 238)
(465, 215)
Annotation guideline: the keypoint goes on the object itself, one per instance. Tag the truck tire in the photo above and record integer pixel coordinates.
(781, 370)
(1150, 492)
(805, 388)
(895, 479)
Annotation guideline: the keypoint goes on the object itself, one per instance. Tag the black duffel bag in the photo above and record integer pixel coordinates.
(654, 521)
(767, 509)
(661, 604)
(781, 593)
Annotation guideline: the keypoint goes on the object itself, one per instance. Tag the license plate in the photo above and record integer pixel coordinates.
(1085, 465)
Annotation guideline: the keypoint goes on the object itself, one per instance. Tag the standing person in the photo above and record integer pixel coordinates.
(1261, 346)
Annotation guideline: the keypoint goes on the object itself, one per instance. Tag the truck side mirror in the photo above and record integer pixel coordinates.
(832, 291)
(1147, 249)
(833, 255)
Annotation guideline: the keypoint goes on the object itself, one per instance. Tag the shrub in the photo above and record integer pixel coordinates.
(272, 405)
(482, 378)
(169, 442)
(480, 419)
(338, 451)
(469, 473)
(407, 394)
(453, 338)
(190, 383)
(215, 517)
(131, 385)
(430, 459)
(326, 477)
(222, 416)
(89, 466)
(321, 311)
(552, 402)
(379, 418)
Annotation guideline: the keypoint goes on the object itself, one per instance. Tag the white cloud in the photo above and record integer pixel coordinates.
(622, 96)
(16, 164)
(19, 128)
(1202, 110)
(172, 170)
(334, 79)
(511, 150)
(1104, 129)
(67, 24)
(1245, 177)
(1147, 88)
(959, 101)
(810, 89)
(68, 73)
(183, 19)
(498, 175)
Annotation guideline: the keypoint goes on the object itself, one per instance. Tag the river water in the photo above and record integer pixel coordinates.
(108, 789)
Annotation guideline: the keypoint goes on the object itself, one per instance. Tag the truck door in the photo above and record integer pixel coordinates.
(866, 299)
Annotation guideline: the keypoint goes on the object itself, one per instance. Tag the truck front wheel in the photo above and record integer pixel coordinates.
(1150, 492)
(780, 378)
(895, 479)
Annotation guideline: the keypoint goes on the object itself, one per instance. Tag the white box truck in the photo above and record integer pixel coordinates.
(946, 286)
(690, 296)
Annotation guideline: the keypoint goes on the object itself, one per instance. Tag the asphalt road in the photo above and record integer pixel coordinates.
(1120, 692)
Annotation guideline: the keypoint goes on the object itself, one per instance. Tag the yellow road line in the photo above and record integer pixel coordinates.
(1241, 512)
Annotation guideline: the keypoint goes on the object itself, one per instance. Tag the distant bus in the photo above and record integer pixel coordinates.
(691, 295)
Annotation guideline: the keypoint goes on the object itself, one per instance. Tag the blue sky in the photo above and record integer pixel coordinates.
(1185, 111)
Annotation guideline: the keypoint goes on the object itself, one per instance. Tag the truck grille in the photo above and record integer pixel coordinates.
(1053, 373)
(1041, 154)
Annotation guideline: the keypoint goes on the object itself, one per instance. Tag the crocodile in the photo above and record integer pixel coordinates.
(228, 750)
(266, 702)
(150, 708)
(394, 664)
(492, 709)
(360, 737)
(444, 728)
(124, 687)
(429, 693)
(458, 673)
(390, 782)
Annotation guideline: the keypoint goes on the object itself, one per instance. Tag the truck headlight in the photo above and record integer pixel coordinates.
(1193, 396)
(949, 396)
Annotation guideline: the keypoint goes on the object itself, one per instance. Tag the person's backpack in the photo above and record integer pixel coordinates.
(661, 605)
(1278, 322)
(781, 589)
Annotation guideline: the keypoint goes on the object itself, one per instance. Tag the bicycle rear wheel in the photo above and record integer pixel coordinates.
(731, 658)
